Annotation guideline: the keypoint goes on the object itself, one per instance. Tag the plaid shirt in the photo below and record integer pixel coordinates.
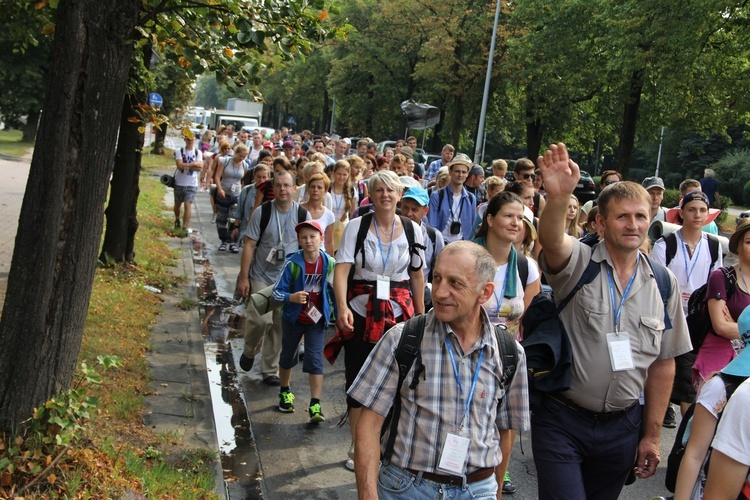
(436, 406)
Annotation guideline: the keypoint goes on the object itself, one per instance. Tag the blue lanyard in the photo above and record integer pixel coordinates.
(390, 245)
(618, 309)
(458, 379)
(502, 290)
(286, 223)
(686, 258)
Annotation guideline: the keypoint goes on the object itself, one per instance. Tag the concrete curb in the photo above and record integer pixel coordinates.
(181, 399)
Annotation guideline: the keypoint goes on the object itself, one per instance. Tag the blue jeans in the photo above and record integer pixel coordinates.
(396, 483)
(579, 457)
(291, 335)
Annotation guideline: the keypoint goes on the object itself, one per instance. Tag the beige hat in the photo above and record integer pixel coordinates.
(739, 233)
(461, 159)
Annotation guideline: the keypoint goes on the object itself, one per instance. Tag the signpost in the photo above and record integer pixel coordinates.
(155, 100)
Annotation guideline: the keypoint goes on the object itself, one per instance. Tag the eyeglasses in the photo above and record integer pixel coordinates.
(609, 183)
(529, 176)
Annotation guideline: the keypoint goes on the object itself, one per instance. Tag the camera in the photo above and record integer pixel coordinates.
(280, 255)
(455, 227)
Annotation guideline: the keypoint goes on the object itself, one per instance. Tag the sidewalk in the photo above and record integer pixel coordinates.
(15, 174)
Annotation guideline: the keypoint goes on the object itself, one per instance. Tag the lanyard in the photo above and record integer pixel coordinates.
(340, 201)
(686, 258)
(618, 309)
(460, 206)
(458, 379)
(499, 300)
(286, 223)
(390, 245)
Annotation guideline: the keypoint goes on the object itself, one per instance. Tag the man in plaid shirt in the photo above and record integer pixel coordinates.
(452, 423)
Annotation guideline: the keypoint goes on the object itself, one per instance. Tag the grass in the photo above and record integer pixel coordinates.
(11, 144)
(116, 453)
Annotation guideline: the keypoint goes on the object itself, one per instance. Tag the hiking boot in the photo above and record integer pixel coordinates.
(286, 402)
(670, 418)
(508, 486)
(316, 415)
(223, 247)
(246, 363)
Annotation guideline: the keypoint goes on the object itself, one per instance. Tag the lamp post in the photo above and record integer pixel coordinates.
(658, 157)
(479, 144)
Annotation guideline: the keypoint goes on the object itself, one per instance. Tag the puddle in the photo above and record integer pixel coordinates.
(220, 324)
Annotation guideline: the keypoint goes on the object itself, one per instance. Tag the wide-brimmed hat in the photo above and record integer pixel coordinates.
(739, 234)
(460, 159)
(740, 366)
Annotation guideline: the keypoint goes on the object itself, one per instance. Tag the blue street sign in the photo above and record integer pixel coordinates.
(155, 99)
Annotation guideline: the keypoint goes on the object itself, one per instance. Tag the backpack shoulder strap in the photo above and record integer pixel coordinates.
(671, 241)
(508, 354)
(441, 195)
(523, 268)
(414, 247)
(408, 347)
(591, 272)
(665, 286)
(431, 233)
(359, 244)
(265, 217)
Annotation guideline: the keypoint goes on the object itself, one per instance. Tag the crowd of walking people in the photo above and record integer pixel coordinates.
(423, 271)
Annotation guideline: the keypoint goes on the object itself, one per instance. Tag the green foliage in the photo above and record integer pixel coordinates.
(732, 173)
(54, 427)
(671, 198)
(746, 193)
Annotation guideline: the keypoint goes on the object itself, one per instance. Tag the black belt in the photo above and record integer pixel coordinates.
(600, 416)
(475, 476)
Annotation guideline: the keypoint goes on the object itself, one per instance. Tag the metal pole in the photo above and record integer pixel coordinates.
(658, 157)
(486, 96)
(333, 115)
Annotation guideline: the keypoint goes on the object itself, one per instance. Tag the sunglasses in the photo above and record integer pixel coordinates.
(529, 176)
(609, 183)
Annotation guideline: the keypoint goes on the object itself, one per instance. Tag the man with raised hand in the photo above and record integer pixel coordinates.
(586, 439)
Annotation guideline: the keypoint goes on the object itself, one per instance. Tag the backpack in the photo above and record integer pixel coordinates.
(265, 216)
(671, 242)
(698, 319)
(409, 350)
(549, 354)
(364, 227)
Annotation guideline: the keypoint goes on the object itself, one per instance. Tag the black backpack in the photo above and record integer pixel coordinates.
(698, 319)
(671, 242)
(409, 350)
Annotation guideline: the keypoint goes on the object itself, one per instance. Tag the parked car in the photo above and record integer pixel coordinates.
(585, 190)
(743, 215)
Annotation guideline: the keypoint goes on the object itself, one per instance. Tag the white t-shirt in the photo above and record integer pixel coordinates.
(691, 272)
(189, 178)
(733, 433)
(396, 265)
(325, 220)
(454, 216)
(713, 396)
(301, 195)
(253, 153)
(511, 310)
(339, 206)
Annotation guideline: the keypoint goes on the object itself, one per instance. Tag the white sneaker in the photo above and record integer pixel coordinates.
(350, 464)
(213, 219)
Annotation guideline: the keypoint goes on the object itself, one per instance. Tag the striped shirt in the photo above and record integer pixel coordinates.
(436, 406)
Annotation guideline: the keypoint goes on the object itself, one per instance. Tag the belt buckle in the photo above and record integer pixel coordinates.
(455, 481)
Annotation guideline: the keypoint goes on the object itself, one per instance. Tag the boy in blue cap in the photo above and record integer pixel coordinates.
(305, 290)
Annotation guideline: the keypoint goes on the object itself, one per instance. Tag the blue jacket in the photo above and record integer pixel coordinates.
(292, 280)
(440, 212)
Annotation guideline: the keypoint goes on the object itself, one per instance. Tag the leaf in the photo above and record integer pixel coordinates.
(141, 130)
(51, 478)
(228, 52)
(133, 119)
(40, 5)
(48, 29)
(5, 479)
(323, 15)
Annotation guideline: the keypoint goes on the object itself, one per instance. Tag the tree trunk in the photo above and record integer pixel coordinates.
(458, 116)
(122, 213)
(32, 122)
(629, 122)
(54, 260)
(157, 148)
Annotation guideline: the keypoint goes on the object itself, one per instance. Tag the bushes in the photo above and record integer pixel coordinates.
(732, 174)
(671, 198)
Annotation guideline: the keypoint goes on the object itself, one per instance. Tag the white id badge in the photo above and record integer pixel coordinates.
(619, 351)
(383, 288)
(314, 313)
(271, 256)
(454, 454)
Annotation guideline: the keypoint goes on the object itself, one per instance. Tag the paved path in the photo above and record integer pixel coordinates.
(14, 175)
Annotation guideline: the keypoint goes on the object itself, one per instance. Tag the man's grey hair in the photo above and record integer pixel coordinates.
(485, 267)
(709, 172)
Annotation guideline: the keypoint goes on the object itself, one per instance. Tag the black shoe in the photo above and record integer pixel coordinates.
(272, 380)
(670, 418)
(246, 363)
(508, 487)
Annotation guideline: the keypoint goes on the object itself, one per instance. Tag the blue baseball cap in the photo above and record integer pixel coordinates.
(740, 366)
(417, 194)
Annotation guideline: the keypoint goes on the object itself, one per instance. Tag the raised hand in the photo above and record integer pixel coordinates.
(561, 174)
